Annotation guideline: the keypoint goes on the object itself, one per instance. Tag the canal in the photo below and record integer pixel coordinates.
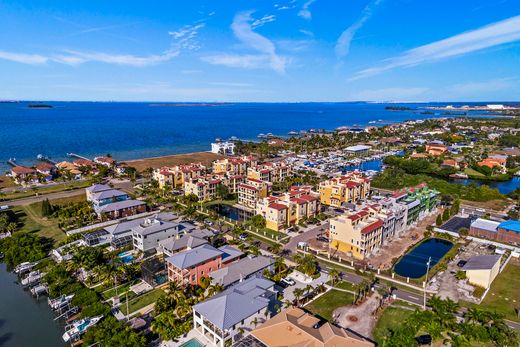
(413, 264)
(25, 321)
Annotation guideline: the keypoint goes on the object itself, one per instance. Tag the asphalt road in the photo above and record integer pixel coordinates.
(305, 236)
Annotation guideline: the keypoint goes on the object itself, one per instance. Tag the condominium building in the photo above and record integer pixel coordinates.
(270, 172)
(177, 175)
(349, 188)
(290, 208)
(419, 201)
(357, 234)
(251, 191)
(204, 188)
(234, 166)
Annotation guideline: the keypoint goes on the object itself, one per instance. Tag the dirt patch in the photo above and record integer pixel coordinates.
(205, 158)
(494, 205)
(358, 318)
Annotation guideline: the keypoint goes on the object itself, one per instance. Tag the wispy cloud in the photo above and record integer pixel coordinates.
(344, 40)
(186, 36)
(268, 18)
(31, 59)
(243, 31)
(307, 32)
(305, 12)
(77, 57)
(498, 33)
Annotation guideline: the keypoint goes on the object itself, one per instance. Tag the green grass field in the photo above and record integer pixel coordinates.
(328, 302)
(46, 190)
(504, 295)
(30, 221)
(141, 301)
(391, 317)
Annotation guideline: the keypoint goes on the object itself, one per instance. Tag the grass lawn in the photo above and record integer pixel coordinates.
(495, 205)
(391, 317)
(47, 190)
(342, 285)
(141, 301)
(107, 294)
(471, 172)
(328, 302)
(505, 286)
(31, 221)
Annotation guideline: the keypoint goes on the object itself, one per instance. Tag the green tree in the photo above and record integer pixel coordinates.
(438, 221)
(445, 215)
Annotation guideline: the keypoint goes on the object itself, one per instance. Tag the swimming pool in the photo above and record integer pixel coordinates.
(192, 343)
(126, 257)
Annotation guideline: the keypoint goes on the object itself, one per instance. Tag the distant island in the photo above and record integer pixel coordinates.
(39, 106)
(397, 108)
(190, 105)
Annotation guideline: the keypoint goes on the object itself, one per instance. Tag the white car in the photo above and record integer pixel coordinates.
(289, 281)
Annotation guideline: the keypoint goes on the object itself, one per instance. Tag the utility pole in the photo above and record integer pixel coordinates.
(426, 281)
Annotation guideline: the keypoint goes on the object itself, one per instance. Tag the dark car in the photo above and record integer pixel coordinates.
(461, 263)
(424, 339)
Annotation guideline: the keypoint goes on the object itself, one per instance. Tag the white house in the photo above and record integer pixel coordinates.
(225, 147)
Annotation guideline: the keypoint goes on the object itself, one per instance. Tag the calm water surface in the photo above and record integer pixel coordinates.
(413, 264)
(24, 321)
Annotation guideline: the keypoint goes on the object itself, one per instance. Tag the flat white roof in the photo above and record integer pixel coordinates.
(485, 224)
(357, 148)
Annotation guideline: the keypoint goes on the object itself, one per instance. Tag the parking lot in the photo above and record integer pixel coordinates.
(456, 223)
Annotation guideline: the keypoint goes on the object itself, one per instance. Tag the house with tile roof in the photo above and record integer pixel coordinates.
(295, 327)
(221, 318)
(22, 174)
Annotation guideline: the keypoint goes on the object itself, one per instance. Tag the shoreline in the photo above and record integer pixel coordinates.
(205, 157)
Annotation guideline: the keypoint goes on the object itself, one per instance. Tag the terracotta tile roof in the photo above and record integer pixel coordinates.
(277, 206)
(247, 186)
(22, 170)
(83, 162)
(371, 227)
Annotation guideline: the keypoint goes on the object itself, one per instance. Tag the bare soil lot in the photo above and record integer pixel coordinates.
(205, 158)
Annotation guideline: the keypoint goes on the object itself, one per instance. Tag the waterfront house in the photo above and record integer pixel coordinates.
(69, 168)
(222, 318)
(22, 174)
(105, 161)
(84, 163)
(121, 209)
(495, 162)
(190, 265)
(223, 147)
(185, 242)
(450, 163)
(47, 170)
(349, 188)
(481, 270)
(295, 327)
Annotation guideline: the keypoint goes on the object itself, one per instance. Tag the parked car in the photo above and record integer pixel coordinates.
(322, 239)
(461, 263)
(289, 281)
(242, 237)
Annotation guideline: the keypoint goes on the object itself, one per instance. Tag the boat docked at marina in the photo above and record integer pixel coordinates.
(79, 327)
(59, 302)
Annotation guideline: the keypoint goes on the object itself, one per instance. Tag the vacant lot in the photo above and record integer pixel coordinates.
(328, 302)
(504, 295)
(6, 182)
(205, 158)
(391, 318)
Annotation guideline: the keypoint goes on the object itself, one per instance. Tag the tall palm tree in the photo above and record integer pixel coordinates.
(298, 292)
(333, 275)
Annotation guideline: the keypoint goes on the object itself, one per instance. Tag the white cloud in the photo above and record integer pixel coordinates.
(77, 57)
(491, 35)
(262, 21)
(305, 12)
(243, 31)
(389, 94)
(186, 36)
(307, 32)
(31, 59)
(343, 43)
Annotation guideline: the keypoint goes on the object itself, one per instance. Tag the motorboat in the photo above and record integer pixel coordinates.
(79, 327)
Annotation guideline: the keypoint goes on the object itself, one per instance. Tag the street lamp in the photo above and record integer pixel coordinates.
(426, 281)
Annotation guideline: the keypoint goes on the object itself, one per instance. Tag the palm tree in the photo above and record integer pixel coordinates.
(298, 292)
(333, 275)
(255, 321)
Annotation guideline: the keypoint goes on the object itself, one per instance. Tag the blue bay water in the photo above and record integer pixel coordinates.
(137, 130)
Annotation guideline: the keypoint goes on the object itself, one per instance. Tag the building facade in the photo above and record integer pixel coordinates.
(346, 189)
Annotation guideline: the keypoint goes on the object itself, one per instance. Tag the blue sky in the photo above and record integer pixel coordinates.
(281, 50)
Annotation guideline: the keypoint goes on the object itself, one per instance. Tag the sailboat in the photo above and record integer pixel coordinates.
(79, 327)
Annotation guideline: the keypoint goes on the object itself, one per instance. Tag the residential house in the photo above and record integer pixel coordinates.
(349, 188)
(47, 170)
(85, 164)
(22, 174)
(221, 318)
(436, 150)
(223, 147)
(147, 235)
(295, 327)
(450, 163)
(105, 161)
(112, 203)
(241, 270)
(192, 264)
(69, 169)
(495, 162)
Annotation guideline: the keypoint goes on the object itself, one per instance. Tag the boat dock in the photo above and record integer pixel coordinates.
(77, 156)
(44, 158)
(12, 162)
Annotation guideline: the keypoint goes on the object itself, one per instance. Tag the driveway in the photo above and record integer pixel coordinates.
(288, 292)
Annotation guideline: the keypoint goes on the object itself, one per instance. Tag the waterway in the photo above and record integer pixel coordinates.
(413, 264)
(25, 321)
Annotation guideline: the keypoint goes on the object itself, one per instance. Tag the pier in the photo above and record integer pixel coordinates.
(46, 159)
(77, 156)
(12, 162)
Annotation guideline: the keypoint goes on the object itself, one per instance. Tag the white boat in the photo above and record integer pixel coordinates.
(32, 278)
(292, 132)
(261, 135)
(79, 327)
(59, 302)
(23, 267)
